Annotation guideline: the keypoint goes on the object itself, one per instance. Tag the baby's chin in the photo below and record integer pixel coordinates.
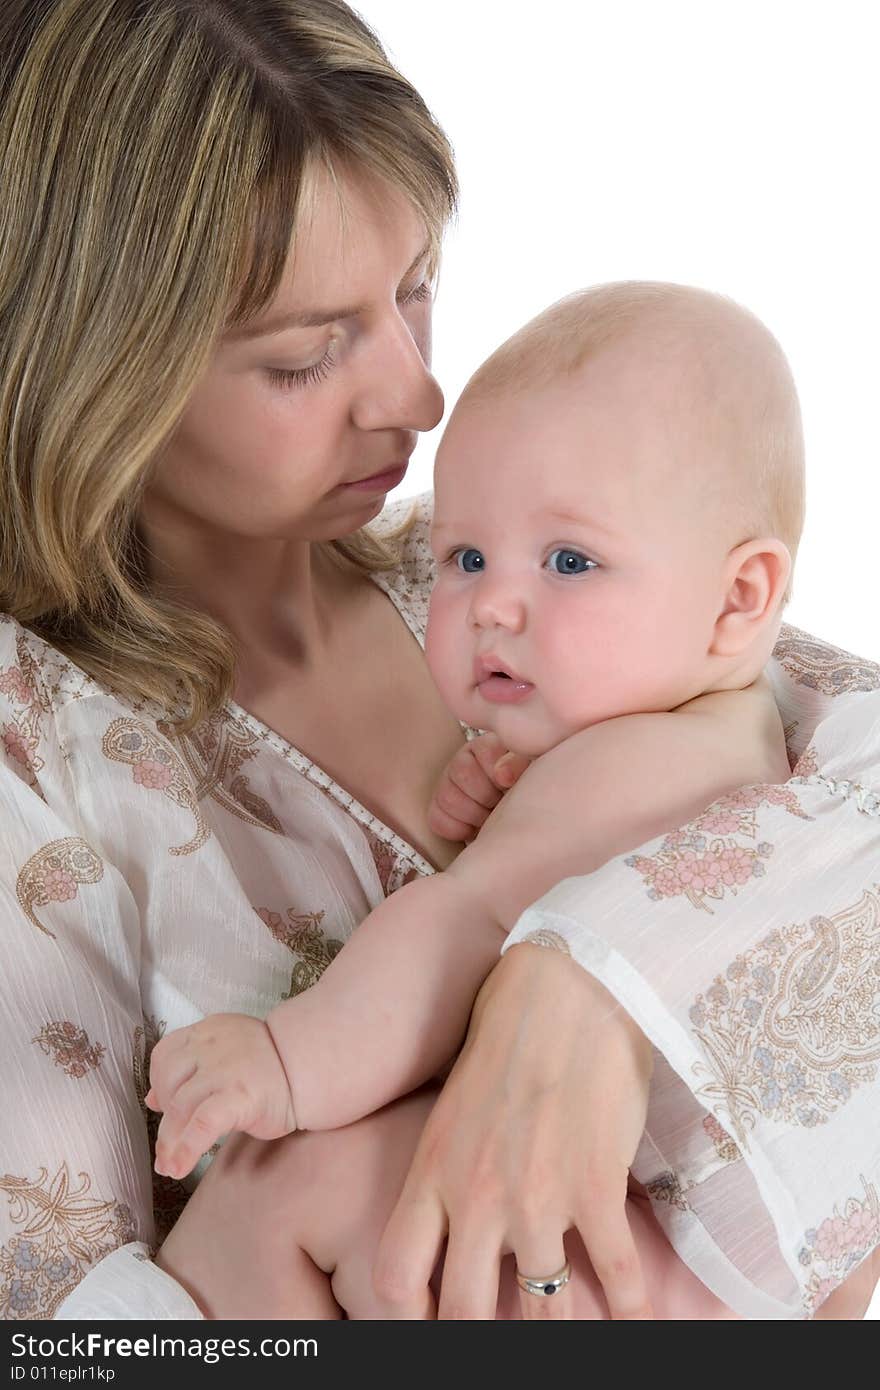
(529, 743)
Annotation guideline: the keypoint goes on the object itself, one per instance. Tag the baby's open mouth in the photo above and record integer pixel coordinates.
(497, 684)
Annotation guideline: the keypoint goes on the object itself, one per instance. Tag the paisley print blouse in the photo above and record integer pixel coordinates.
(147, 880)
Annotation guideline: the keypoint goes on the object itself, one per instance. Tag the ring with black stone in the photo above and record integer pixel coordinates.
(544, 1287)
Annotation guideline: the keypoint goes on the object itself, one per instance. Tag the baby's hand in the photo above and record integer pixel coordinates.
(219, 1075)
(471, 785)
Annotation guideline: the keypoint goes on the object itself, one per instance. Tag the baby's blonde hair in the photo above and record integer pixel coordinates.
(750, 415)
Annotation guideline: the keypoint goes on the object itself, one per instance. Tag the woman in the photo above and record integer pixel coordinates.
(196, 430)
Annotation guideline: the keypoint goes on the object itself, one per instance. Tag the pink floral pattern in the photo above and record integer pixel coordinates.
(793, 1026)
(214, 755)
(21, 735)
(156, 768)
(305, 937)
(69, 1047)
(807, 764)
(54, 875)
(832, 1250)
(725, 1147)
(702, 860)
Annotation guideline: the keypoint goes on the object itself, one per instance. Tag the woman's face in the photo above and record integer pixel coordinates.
(302, 425)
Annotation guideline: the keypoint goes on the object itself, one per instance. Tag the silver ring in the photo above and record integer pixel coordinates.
(544, 1287)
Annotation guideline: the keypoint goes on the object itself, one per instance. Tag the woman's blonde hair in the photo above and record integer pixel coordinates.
(154, 155)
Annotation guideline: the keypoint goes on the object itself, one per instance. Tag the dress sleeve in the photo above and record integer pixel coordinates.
(746, 945)
(76, 1220)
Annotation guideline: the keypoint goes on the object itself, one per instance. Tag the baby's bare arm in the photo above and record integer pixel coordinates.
(615, 786)
(391, 1008)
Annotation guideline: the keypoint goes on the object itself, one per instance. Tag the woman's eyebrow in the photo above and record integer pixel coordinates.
(311, 318)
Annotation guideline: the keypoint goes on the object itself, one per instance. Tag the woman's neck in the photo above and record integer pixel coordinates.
(275, 597)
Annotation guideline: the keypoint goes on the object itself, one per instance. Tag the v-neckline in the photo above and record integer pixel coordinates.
(315, 774)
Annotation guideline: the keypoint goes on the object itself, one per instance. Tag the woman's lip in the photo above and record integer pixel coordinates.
(379, 482)
(501, 690)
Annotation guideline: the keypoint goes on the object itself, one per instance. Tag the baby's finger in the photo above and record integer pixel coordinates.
(447, 827)
(509, 768)
(454, 802)
(186, 1139)
(172, 1063)
(470, 776)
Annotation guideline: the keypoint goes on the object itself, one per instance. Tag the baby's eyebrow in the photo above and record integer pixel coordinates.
(577, 519)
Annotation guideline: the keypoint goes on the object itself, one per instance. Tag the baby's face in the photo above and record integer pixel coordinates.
(580, 560)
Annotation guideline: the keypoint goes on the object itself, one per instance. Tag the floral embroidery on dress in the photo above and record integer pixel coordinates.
(726, 1148)
(64, 1232)
(69, 1047)
(665, 1187)
(302, 933)
(21, 738)
(833, 1249)
(385, 859)
(156, 768)
(807, 764)
(793, 1026)
(545, 937)
(169, 1195)
(53, 875)
(214, 754)
(690, 864)
(821, 667)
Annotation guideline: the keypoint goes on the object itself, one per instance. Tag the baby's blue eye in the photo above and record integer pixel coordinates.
(569, 562)
(471, 561)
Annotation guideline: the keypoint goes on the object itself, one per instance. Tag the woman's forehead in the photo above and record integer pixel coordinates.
(355, 236)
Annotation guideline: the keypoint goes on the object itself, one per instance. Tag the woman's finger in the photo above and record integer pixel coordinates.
(410, 1247)
(470, 1278)
(541, 1259)
(605, 1231)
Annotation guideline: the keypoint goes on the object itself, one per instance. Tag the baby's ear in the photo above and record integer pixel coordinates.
(757, 575)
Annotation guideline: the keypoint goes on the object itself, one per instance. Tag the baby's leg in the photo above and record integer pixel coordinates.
(350, 1181)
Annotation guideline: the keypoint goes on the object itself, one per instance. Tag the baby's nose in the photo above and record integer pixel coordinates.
(496, 604)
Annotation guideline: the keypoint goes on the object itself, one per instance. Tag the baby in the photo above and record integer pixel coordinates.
(618, 501)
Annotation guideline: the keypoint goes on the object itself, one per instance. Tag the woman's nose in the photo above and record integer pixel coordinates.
(497, 603)
(399, 391)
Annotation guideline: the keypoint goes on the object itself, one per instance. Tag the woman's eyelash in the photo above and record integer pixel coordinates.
(422, 291)
(308, 376)
(301, 376)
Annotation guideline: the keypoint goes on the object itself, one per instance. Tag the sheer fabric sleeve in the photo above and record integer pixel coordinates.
(76, 1222)
(746, 945)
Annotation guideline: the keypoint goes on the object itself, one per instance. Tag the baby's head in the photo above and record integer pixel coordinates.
(618, 502)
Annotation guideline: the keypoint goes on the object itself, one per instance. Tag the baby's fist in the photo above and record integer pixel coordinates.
(471, 785)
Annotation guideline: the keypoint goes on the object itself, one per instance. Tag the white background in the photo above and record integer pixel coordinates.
(718, 143)
(729, 145)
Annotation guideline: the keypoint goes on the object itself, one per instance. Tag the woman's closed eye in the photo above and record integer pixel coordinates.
(287, 378)
(565, 561)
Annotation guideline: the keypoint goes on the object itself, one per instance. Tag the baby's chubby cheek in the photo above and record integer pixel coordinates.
(448, 654)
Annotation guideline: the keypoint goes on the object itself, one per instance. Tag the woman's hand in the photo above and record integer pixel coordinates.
(533, 1134)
